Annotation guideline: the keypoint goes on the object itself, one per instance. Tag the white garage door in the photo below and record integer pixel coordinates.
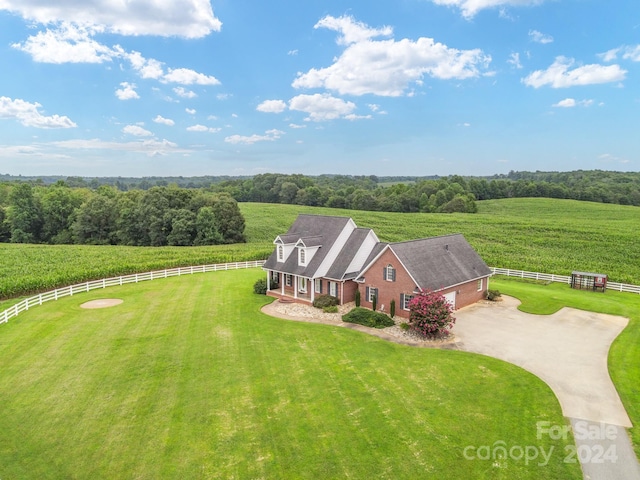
(451, 299)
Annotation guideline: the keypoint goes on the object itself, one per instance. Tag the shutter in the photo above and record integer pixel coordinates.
(384, 273)
(320, 281)
(367, 297)
(393, 275)
(402, 301)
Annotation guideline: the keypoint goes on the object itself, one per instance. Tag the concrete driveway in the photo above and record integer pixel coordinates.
(567, 350)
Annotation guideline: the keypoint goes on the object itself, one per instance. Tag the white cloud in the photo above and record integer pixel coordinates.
(186, 76)
(469, 8)
(270, 136)
(150, 147)
(184, 18)
(164, 121)
(514, 60)
(352, 31)
(540, 37)
(296, 126)
(627, 52)
(146, 68)
(202, 128)
(322, 107)
(29, 116)
(190, 111)
(66, 44)
(387, 67)
(137, 131)
(560, 75)
(184, 93)
(292, 52)
(571, 102)
(127, 92)
(272, 106)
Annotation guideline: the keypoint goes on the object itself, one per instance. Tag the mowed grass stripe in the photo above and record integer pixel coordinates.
(187, 379)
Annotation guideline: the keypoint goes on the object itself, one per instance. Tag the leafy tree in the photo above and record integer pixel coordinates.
(183, 227)
(430, 314)
(207, 232)
(25, 215)
(96, 221)
(59, 204)
(5, 228)
(229, 219)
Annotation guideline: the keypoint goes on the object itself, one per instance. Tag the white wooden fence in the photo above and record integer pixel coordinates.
(39, 299)
(548, 277)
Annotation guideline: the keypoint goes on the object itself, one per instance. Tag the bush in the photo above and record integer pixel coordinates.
(322, 301)
(330, 309)
(493, 295)
(404, 326)
(430, 314)
(368, 318)
(357, 299)
(260, 287)
(392, 308)
(374, 303)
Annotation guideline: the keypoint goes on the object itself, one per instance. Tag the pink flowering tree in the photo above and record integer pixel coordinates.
(430, 314)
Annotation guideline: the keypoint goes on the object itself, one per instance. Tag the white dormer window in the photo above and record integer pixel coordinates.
(302, 256)
(280, 253)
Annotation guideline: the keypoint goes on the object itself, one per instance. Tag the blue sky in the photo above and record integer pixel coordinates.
(242, 87)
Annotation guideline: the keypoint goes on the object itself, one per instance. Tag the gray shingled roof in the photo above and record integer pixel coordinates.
(338, 270)
(326, 227)
(440, 262)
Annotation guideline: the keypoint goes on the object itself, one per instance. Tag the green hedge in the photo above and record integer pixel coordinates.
(368, 318)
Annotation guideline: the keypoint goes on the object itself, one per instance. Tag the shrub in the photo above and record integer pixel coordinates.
(392, 308)
(493, 295)
(357, 299)
(260, 287)
(368, 318)
(404, 326)
(322, 301)
(330, 309)
(374, 303)
(430, 314)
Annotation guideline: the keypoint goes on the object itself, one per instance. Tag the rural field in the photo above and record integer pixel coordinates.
(545, 235)
(157, 375)
(206, 386)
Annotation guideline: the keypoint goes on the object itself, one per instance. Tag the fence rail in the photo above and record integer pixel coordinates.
(548, 277)
(41, 298)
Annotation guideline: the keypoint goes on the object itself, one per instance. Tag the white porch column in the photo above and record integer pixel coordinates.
(295, 286)
(268, 280)
(282, 284)
(313, 289)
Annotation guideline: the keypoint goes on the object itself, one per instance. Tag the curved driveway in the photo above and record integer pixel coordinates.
(568, 350)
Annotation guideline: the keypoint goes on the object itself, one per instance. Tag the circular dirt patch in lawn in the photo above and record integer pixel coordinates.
(102, 303)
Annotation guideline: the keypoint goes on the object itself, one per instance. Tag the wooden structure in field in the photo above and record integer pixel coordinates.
(589, 281)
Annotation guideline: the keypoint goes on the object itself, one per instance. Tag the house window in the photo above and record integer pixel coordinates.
(480, 285)
(302, 285)
(318, 285)
(404, 301)
(389, 273)
(371, 292)
(280, 253)
(333, 289)
(302, 256)
(287, 280)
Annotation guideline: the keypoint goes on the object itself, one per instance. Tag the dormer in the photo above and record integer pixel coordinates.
(285, 244)
(307, 248)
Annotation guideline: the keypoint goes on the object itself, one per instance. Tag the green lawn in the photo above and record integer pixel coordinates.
(624, 356)
(187, 379)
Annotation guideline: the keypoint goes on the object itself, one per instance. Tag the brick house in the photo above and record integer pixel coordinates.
(330, 255)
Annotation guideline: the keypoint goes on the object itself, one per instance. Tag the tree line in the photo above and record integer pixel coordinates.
(443, 195)
(60, 214)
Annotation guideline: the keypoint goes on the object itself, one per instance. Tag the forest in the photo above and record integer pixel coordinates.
(159, 211)
(60, 214)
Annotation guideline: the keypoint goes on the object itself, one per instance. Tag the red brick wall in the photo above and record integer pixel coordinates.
(350, 288)
(467, 293)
